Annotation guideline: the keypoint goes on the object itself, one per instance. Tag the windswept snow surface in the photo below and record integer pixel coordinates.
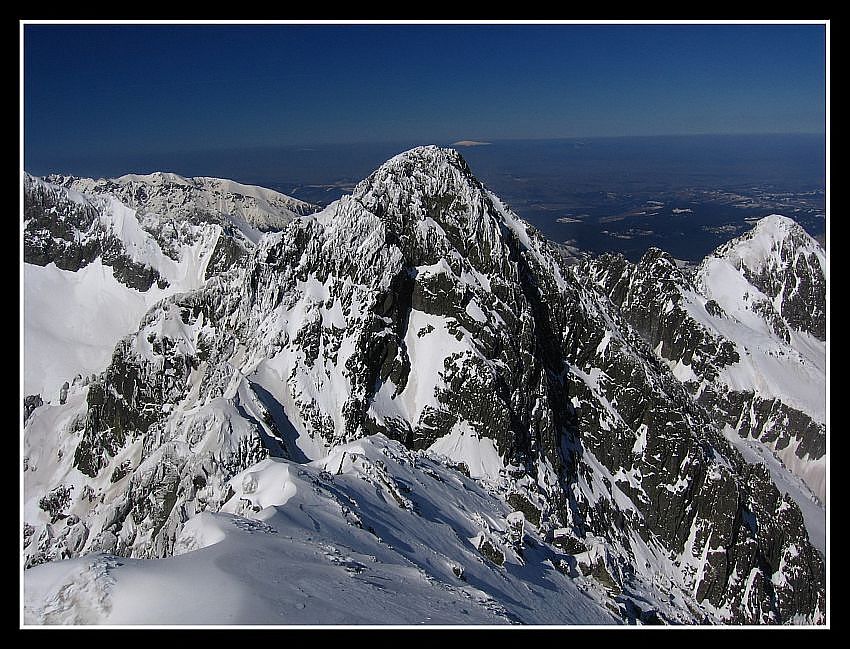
(479, 454)
(372, 534)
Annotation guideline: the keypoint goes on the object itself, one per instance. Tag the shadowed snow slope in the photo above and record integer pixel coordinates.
(408, 556)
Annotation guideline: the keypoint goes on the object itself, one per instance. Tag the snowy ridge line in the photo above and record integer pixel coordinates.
(250, 207)
(290, 548)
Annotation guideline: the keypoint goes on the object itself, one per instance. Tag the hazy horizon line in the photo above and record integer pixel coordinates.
(489, 140)
(306, 146)
(236, 161)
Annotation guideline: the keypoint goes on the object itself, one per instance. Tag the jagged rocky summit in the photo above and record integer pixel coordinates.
(421, 316)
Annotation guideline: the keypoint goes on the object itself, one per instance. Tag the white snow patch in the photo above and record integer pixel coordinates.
(684, 372)
(427, 353)
(266, 484)
(603, 344)
(474, 311)
(73, 321)
(200, 531)
(640, 443)
(464, 444)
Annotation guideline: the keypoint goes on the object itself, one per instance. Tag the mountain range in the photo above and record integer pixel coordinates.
(409, 407)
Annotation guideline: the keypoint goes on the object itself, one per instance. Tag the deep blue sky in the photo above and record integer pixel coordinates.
(110, 90)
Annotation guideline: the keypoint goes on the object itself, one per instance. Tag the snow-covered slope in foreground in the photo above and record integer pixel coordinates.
(409, 556)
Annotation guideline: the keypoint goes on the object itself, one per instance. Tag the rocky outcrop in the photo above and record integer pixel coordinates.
(650, 296)
(31, 402)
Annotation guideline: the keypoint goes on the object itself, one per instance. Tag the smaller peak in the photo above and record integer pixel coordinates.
(655, 251)
(654, 255)
(660, 264)
(776, 227)
(777, 222)
(767, 239)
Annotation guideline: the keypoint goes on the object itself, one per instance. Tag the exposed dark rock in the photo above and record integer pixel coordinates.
(521, 503)
(227, 252)
(31, 402)
(773, 422)
(491, 552)
(56, 501)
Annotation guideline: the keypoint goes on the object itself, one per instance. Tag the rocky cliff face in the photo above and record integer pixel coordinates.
(421, 309)
(744, 331)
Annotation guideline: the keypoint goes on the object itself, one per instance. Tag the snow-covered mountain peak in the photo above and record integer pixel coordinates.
(773, 236)
(777, 223)
(433, 209)
(657, 255)
(219, 185)
(435, 179)
(155, 178)
(424, 160)
(776, 271)
(422, 163)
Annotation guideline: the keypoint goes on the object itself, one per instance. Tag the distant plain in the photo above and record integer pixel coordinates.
(684, 194)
